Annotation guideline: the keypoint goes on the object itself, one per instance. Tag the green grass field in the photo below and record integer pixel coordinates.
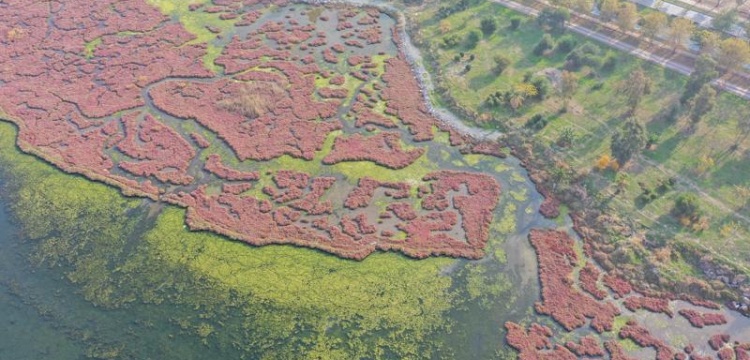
(711, 160)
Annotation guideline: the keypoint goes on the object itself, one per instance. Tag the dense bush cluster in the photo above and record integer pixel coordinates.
(568, 306)
(535, 343)
(700, 320)
(277, 97)
(641, 336)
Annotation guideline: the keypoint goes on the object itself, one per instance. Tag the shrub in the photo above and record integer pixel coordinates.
(592, 61)
(606, 162)
(543, 87)
(488, 26)
(589, 48)
(687, 209)
(451, 41)
(665, 185)
(566, 138)
(501, 63)
(472, 39)
(610, 63)
(653, 138)
(515, 23)
(565, 45)
(496, 99)
(527, 76)
(544, 44)
(579, 58)
(526, 89)
(536, 122)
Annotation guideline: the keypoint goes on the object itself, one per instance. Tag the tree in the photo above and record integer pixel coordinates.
(608, 9)
(679, 32)
(653, 24)
(634, 87)
(703, 103)
(501, 63)
(472, 39)
(553, 19)
(627, 15)
(734, 53)
(565, 44)
(488, 26)
(584, 6)
(568, 85)
(628, 141)
(725, 20)
(707, 40)
(705, 71)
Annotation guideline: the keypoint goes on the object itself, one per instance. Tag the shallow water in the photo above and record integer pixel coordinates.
(23, 333)
(49, 319)
(43, 316)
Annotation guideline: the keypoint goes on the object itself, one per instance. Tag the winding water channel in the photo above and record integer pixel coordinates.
(42, 315)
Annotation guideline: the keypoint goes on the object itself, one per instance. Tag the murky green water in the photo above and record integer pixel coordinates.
(43, 315)
(87, 274)
(24, 334)
(94, 278)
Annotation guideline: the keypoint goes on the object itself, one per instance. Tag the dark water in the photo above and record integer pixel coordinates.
(44, 316)
(23, 333)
